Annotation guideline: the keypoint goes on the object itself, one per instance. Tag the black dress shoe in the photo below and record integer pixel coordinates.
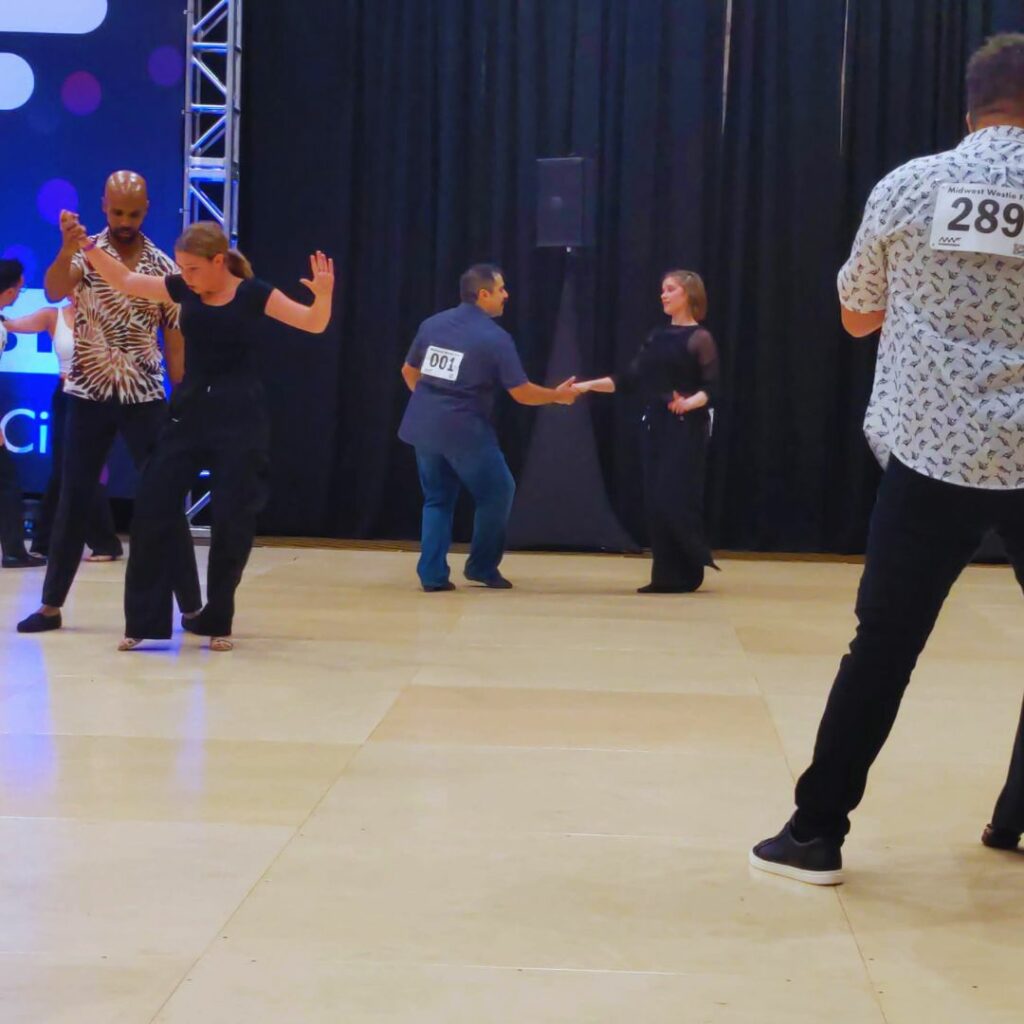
(495, 582)
(817, 862)
(1000, 838)
(441, 588)
(661, 588)
(25, 561)
(37, 622)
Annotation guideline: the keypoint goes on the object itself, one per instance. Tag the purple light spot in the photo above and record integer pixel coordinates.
(56, 195)
(166, 65)
(81, 93)
(28, 260)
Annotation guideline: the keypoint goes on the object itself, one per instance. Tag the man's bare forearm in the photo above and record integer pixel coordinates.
(61, 279)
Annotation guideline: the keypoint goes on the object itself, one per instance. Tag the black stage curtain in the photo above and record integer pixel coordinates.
(401, 136)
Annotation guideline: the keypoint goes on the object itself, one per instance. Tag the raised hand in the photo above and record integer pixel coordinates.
(73, 234)
(322, 282)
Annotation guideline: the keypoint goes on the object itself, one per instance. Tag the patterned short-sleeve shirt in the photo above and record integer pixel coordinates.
(948, 396)
(116, 352)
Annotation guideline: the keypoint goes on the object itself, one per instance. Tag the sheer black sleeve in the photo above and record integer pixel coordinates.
(702, 345)
(629, 381)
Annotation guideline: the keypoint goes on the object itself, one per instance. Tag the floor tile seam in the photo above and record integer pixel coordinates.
(702, 755)
(568, 691)
(459, 837)
(837, 895)
(666, 748)
(177, 739)
(507, 968)
(92, 820)
(531, 687)
(876, 994)
(274, 860)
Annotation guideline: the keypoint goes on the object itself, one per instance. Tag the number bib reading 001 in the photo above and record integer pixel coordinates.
(979, 218)
(442, 363)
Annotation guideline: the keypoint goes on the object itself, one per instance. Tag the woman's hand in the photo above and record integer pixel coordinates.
(322, 282)
(682, 404)
(603, 384)
(312, 319)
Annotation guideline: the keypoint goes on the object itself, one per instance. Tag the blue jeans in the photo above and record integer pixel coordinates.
(485, 474)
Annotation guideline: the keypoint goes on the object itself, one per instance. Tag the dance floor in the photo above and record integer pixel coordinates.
(521, 807)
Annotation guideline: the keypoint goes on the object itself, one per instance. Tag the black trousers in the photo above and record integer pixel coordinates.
(90, 431)
(923, 532)
(222, 427)
(674, 453)
(12, 514)
(100, 533)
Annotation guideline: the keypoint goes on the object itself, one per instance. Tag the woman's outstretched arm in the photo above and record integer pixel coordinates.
(315, 318)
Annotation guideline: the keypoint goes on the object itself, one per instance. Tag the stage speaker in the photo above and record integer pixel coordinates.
(566, 202)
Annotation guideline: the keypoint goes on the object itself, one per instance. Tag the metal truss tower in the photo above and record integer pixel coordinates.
(213, 112)
(213, 109)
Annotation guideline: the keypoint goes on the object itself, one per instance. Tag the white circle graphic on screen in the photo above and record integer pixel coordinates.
(60, 17)
(16, 81)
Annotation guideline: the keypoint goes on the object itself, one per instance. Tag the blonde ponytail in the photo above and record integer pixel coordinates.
(238, 264)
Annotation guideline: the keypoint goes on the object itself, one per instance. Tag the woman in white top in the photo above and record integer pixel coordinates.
(100, 533)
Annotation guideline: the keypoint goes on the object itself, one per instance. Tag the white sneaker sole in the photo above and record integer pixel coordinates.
(797, 874)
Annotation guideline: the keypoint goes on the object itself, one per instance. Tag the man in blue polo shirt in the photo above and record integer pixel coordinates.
(457, 362)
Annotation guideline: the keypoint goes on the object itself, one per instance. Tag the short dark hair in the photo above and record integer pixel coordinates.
(995, 76)
(11, 272)
(480, 275)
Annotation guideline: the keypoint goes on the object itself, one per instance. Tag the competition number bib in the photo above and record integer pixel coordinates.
(442, 363)
(979, 218)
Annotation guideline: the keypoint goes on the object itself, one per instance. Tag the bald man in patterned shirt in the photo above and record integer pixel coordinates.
(116, 384)
(938, 265)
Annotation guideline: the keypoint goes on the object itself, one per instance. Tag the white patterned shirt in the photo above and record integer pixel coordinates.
(948, 397)
(116, 353)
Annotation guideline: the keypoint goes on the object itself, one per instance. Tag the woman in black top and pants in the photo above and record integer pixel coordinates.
(676, 372)
(218, 421)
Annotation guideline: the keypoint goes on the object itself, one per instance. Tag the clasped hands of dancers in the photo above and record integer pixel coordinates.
(460, 358)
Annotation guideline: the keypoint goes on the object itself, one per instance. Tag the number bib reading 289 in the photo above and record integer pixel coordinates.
(979, 218)
(442, 363)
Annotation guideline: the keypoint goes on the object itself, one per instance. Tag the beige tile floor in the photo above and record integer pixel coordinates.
(528, 807)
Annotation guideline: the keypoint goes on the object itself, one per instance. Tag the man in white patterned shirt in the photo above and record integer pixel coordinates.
(116, 384)
(938, 265)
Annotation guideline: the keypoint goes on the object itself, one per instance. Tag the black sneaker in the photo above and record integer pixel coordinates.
(662, 588)
(1000, 838)
(441, 588)
(26, 561)
(817, 862)
(495, 582)
(37, 622)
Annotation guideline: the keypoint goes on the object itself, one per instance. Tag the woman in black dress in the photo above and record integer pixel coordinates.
(218, 421)
(676, 372)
